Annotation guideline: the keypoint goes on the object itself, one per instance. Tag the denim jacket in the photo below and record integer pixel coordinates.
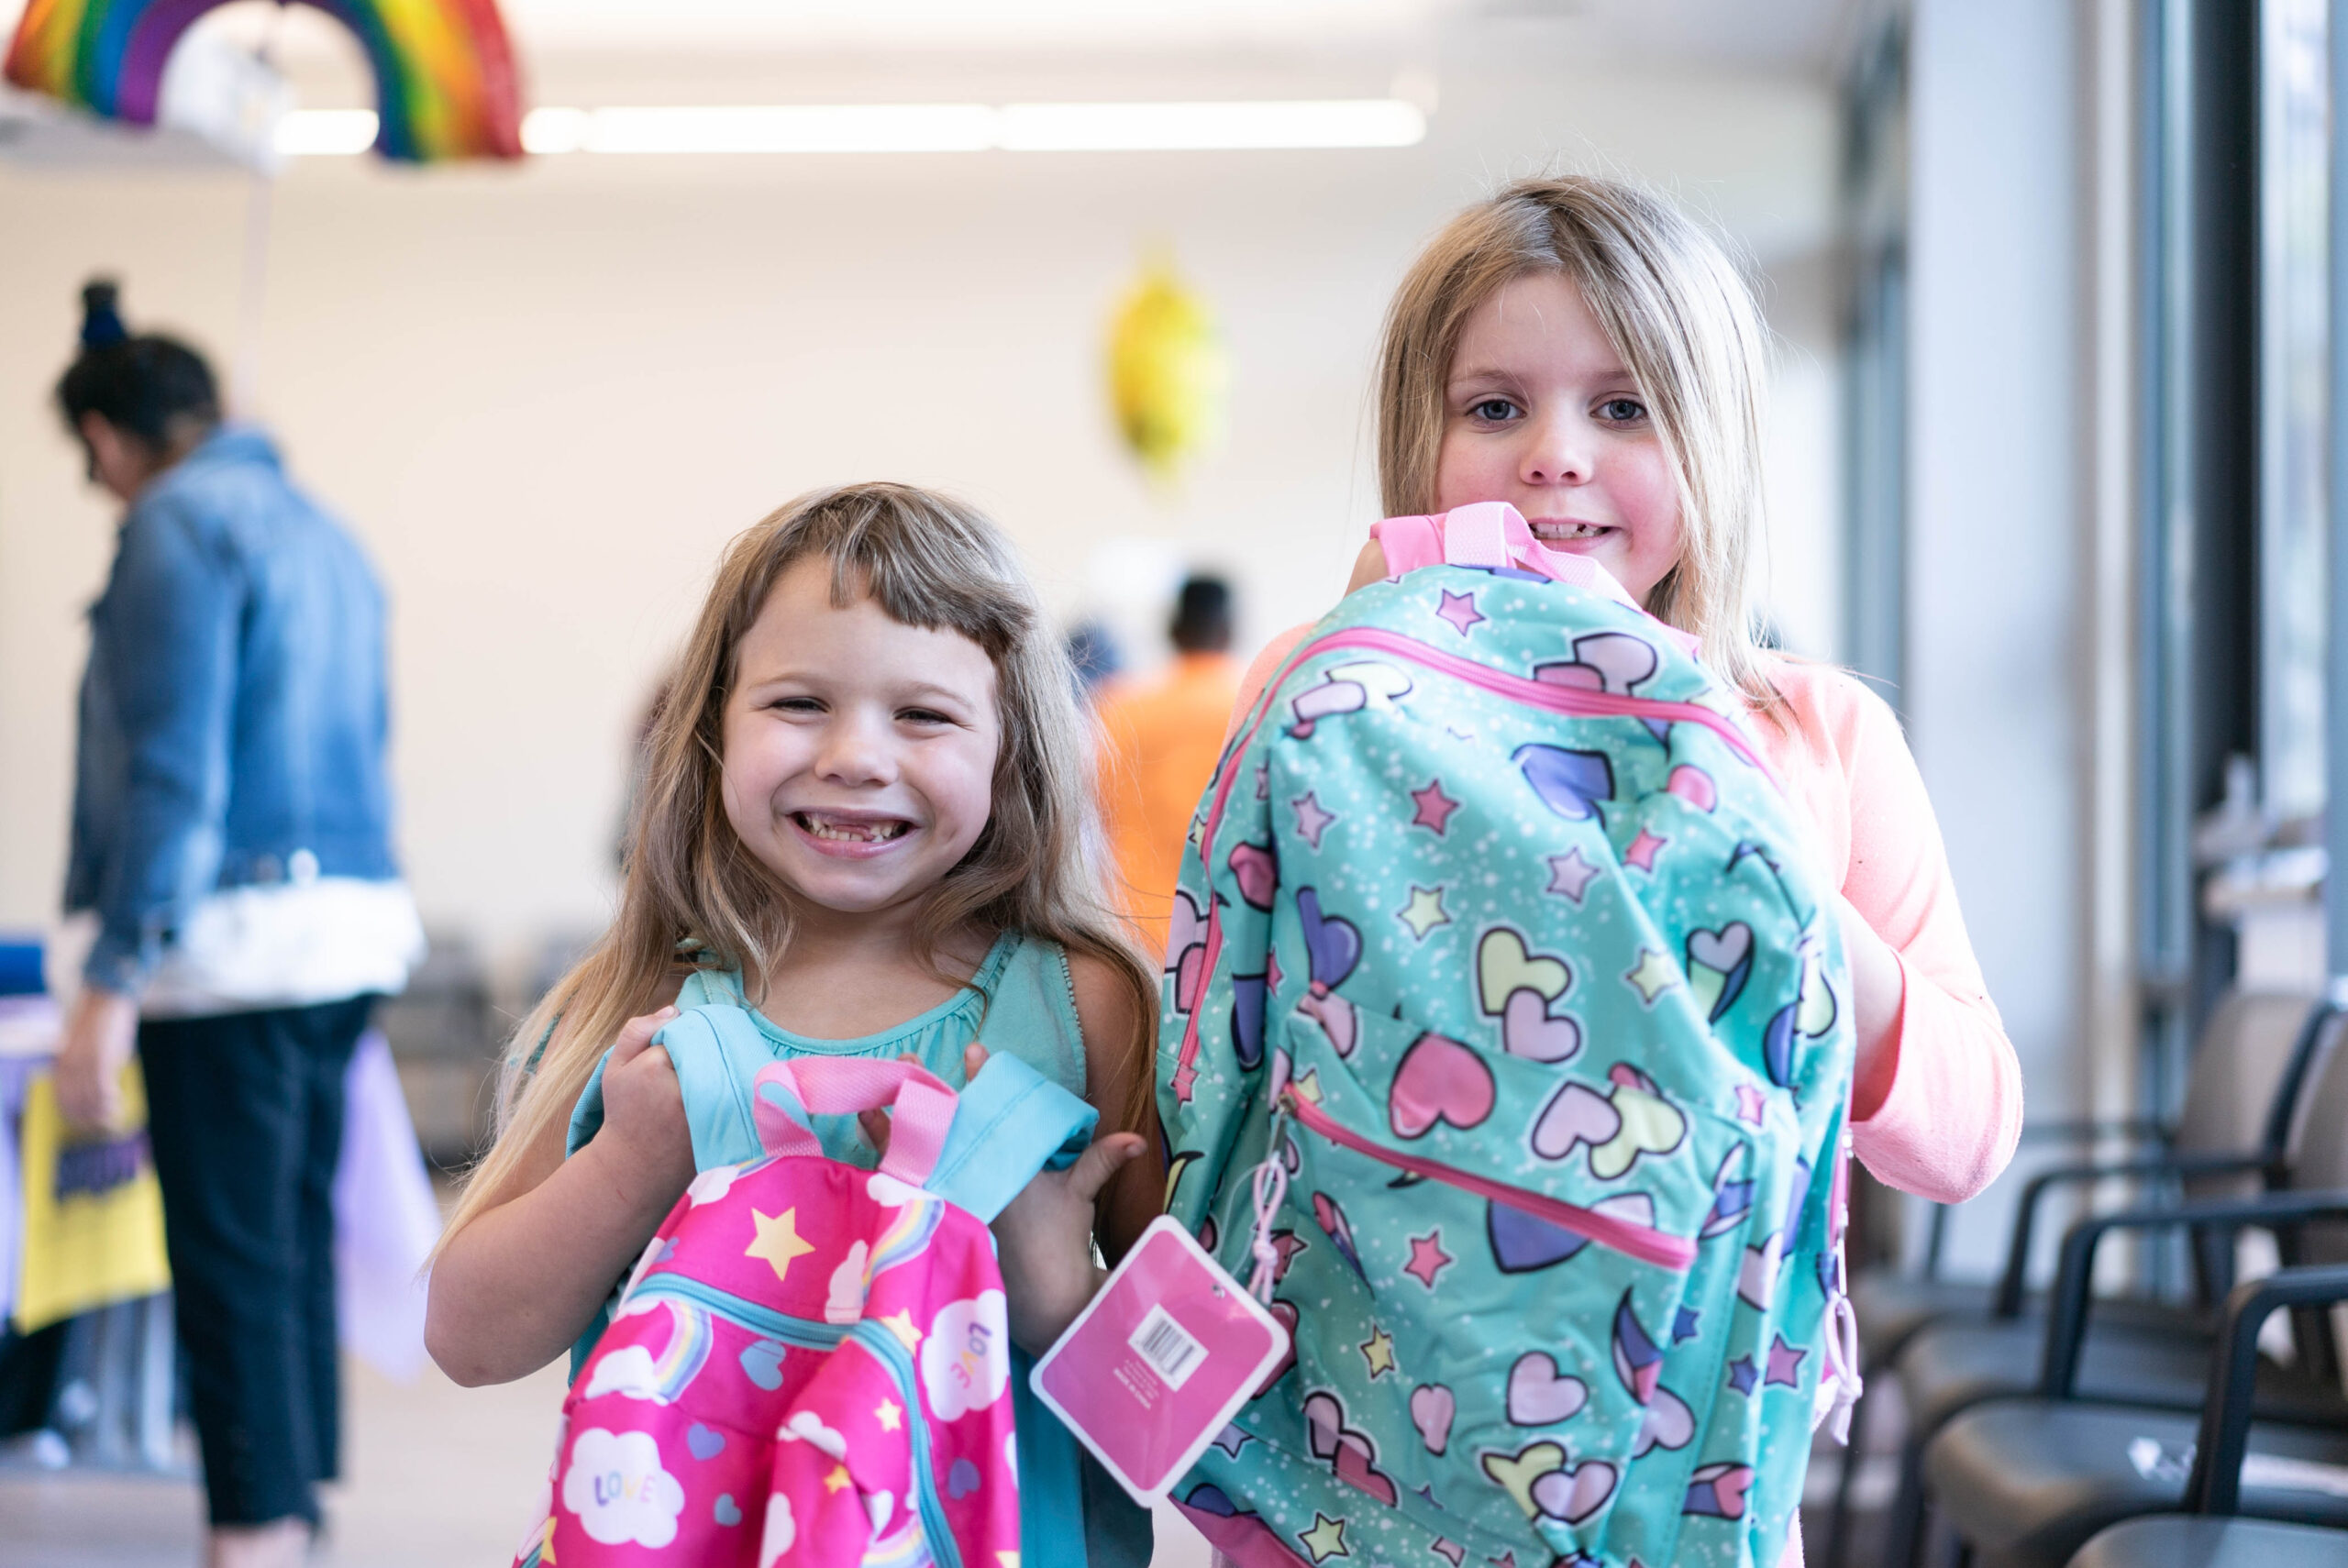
(233, 713)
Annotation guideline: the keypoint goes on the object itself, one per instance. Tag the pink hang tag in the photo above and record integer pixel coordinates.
(1166, 1355)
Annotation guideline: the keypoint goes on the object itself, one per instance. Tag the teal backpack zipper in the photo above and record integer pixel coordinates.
(879, 1342)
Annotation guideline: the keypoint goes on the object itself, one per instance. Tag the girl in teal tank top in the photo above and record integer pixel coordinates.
(866, 817)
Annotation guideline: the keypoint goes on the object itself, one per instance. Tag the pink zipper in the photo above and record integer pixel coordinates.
(1185, 1064)
(1643, 1242)
(1186, 1068)
(1576, 702)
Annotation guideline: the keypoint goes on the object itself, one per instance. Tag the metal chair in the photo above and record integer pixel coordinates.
(2025, 1481)
(2190, 1540)
(1954, 1346)
(2041, 1484)
(2238, 1105)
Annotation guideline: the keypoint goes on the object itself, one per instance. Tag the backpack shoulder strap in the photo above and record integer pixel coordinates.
(1410, 543)
(716, 1050)
(710, 988)
(1011, 1122)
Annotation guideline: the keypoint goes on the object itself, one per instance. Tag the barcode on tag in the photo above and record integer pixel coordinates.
(1167, 1347)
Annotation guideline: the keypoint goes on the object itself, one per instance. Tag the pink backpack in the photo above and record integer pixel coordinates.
(809, 1364)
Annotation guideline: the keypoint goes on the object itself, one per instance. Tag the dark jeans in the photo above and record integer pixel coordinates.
(245, 1115)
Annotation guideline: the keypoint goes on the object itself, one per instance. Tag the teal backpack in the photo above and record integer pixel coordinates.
(1502, 1054)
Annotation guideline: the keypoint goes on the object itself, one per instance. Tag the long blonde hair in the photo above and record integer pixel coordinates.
(1679, 311)
(693, 895)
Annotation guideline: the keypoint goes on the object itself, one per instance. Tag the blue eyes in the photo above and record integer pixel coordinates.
(1611, 411)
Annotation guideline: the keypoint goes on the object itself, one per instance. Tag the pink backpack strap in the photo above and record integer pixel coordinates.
(1494, 534)
(785, 1094)
(1410, 543)
(1484, 534)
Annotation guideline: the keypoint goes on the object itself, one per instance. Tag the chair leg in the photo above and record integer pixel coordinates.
(1838, 1538)
(1905, 1543)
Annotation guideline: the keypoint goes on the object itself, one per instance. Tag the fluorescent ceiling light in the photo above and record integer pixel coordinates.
(920, 128)
(793, 127)
(1136, 128)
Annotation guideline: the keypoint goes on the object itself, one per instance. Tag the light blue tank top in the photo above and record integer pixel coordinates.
(1020, 1003)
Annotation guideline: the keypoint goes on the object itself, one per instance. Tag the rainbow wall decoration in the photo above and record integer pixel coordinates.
(445, 85)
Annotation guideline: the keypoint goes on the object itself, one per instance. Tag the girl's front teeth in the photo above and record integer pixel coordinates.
(869, 833)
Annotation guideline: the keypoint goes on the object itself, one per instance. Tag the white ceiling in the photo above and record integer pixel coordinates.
(1773, 36)
(1763, 34)
(988, 24)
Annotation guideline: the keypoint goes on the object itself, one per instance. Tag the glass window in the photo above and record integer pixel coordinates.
(2293, 376)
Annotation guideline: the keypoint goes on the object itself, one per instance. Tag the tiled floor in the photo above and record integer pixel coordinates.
(437, 1474)
(439, 1477)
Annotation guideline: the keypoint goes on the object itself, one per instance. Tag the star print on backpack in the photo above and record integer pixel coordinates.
(810, 1366)
(1496, 941)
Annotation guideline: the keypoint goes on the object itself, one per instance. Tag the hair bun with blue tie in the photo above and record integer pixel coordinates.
(100, 321)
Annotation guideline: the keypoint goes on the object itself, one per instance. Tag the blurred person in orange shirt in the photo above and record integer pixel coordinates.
(1161, 738)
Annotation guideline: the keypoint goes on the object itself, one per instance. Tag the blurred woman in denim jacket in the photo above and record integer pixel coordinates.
(232, 851)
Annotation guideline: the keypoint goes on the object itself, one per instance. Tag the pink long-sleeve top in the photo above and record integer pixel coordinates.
(1940, 1111)
(1939, 1108)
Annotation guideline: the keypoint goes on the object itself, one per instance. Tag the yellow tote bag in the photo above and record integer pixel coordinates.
(94, 1214)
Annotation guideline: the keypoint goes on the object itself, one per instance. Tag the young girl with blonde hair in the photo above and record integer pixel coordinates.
(1583, 351)
(866, 814)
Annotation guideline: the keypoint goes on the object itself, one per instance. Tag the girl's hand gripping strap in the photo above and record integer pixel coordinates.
(1011, 1122)
(785, 1094)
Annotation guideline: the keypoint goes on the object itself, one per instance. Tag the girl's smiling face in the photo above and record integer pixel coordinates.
(859, 751)
(1540, 411)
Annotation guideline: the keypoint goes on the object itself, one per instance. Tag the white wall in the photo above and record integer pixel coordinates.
(544, 397)
(1997, 449)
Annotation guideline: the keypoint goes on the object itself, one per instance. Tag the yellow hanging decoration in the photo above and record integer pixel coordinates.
(1167, 370)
